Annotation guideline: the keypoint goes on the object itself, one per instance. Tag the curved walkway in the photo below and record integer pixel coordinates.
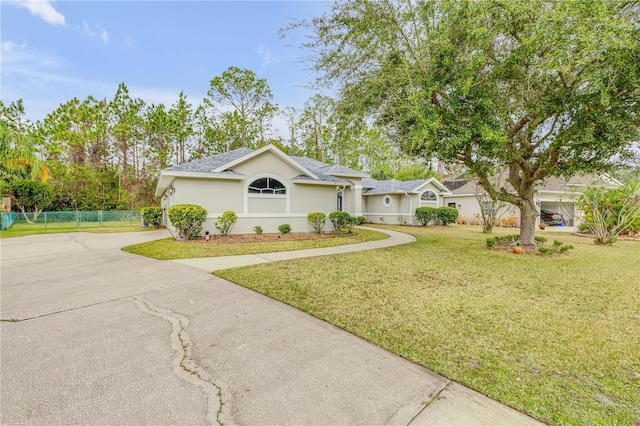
(224, 262)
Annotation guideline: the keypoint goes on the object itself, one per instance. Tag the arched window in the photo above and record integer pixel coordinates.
(267, 185)
(429, 195)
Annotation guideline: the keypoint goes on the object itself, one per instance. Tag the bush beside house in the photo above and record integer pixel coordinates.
(187, 219)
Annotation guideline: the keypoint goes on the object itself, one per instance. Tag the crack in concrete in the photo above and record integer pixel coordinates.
(75, 308)
(433, 398)
(184, 366)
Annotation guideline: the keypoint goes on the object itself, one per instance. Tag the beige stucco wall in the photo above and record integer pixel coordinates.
(213, 194)
(313, 198)
(377, 212)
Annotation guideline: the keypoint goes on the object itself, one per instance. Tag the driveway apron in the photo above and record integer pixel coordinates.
(94, 335)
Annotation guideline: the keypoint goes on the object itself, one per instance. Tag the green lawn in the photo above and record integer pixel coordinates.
(21, 229)
(555, 337)
(169, 248)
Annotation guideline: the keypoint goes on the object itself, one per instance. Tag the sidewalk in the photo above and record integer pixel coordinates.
(211, 264)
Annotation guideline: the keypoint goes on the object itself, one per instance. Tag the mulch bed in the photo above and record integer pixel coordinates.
(508, 246)
(267, 238)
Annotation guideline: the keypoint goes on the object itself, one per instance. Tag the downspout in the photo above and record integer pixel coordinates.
(410, 208)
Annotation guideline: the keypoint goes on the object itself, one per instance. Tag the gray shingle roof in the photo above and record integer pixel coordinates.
(321, 170)
(327, 169)
(206, 165)
(390, 186)
(460, 187)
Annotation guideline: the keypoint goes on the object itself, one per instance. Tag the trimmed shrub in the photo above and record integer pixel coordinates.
(353, 221)
(340, 220)
(257, 229)
(226, 221)
(491, 242)
(447, 215)
(361, 220)
(187, 219)
(285, 228)
(317, 221)
(152, 216)
(424, 215)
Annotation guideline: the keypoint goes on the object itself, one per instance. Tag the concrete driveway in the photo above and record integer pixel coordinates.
(93, 335)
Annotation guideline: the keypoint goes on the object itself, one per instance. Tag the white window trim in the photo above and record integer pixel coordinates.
(252, 179)
(387, 200)
(429, 201)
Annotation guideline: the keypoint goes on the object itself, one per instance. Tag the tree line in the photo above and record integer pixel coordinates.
(103, 154)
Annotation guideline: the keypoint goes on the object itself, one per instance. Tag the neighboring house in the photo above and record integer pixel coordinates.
(267, 187)
(395, 201)
(554, 194)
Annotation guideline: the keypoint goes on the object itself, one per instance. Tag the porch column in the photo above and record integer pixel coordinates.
(357, 200)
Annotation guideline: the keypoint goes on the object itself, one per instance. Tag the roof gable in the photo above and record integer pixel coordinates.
(268, 148)
(389, 186)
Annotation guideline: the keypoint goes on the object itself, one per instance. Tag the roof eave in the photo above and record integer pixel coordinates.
(318, 182)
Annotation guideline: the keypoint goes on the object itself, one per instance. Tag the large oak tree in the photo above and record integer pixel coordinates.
(537, 88)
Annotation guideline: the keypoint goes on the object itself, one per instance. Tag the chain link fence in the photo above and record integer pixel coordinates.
(73, 219)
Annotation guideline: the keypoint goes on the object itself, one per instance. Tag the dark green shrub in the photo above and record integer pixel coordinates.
(361, 220)
(447, 215)
(257, 229)
(152, 216)
(491, 242)
(187, 219)
(285, 228)
(540, 240)
(353, 221)
(424, 215)
(341, 221)
(226, 221)
(558, 248)
(565, 247)
(317, 221)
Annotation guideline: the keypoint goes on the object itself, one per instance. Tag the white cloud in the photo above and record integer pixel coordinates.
(267, 57)
(43, 9)
(95, 31)
(104, 35)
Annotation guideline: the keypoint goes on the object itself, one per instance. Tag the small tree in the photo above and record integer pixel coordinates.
(609, 212)
(226, 221)
(152, 216)
(187, 219)
(424, 215)
(491, 210)
(317, 221)
(32, 195)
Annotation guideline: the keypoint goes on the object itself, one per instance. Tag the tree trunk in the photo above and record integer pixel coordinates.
(528, 218)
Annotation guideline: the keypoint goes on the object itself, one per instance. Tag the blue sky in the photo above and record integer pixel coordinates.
(53, 51)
